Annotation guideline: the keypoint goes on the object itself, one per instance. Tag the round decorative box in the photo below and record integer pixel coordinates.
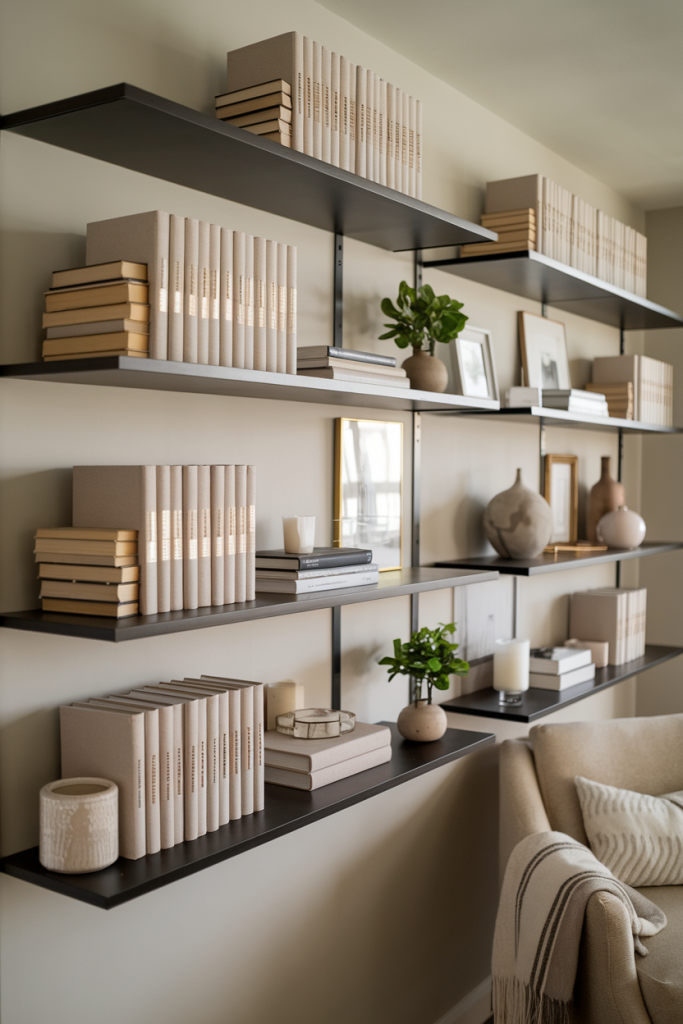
(316, 723)
(79, 825)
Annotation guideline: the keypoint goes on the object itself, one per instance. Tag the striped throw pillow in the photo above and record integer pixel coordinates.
(638, 837)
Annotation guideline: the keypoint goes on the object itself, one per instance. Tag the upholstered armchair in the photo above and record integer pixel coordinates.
(538, 793)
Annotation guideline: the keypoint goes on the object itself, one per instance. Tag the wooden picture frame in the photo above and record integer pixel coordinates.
(543, 348)
(473, 370)
(561, 491)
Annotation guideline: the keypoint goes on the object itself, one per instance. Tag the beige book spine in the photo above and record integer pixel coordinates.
(250, 586)
(163, 493)
(176, 287)
(152, 810)
(361, 139)
(259, 749)
(353, 117)
(176, 479)
(241, 538)
(418, 148)
(224, 758)
(344, 114)
(316, 81)
(260, 304)
(281, 307)
(166, 776)
(297, 85)
(247, 731)
(376, 127)
(212, 764)
(249, 302)
(230, 535)
(370, 125)
(271, 306)
(405, 143)
(226, 298)
(198, 765)
(308, 95)
(190, 539)
(191, 768)
(191, 303)
(326, 103)
(398, 140)
(153, 695)
(235, 751)
(204, 536)
(382, 133)
(147, 543)
(217, 535)
(214, 294)
(291, 309)
(391, 137)
(335, 108)
(412, 135)
(239, 301)
(204, 290)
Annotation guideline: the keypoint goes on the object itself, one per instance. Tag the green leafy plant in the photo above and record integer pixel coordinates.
(429, 657)
(422, 318)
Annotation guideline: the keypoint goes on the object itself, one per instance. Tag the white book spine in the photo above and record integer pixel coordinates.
(344, 114)
(298, 94)
(190, 539)
(377, 93)
(226, 299)
(247, 743)
(241, 538)
(391, 136)
(412, 133)
(353, 117)
(191, 304)
(271, 306)
(148, 542)
(259, 750)
(176, 475)
(176, 287)
(249, 297)
(203, 274)
(260, 303)
(235, 749)
(361, 141)
(405, 143)
(370, 125)
(212, 764)
(398, 140)
(281, 307)
(250, 585)
(178, 773)
(230, 535)
(214, 294)
(418, 149)
(217, 535)
(326, 104)
(291, 308)
(201, 765)
(335, 109)
(224, 758)
(204, 536)
(317, 101)
(382, 122)
(152, 810)
(239, 301)
(163, 489)
(191, 768)
(308, 96)
(158, 347)
(166, 777)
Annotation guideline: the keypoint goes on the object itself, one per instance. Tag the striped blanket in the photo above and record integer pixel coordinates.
(549, 879)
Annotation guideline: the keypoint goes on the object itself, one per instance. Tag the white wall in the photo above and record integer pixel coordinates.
(383, 912)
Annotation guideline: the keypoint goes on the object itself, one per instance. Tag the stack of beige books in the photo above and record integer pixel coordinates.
(619, 398)
(88, 572)
(346, 364)
(187, 756)
(613, 614)
(97, 311)
(651, 381)
(264, 109)
(310, 764)
(516, 231)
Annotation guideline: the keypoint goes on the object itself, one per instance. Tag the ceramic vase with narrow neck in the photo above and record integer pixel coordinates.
(425, 372)
(422, 722)
(606, 496)
(622, 529)
(518, 522)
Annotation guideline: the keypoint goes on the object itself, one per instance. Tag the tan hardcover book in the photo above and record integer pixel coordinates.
(342, 770)
(88, 573)
(104, 496)
(486, 248)
(269, 127)
(204, 536)
(345, 364)
(260, 304)
(71, 533)
(93, 329)
(356, 377)
(117, 593)
(187, 769)
(98, 274)
(134, 311)
(282, 751)
(620, 370)
(200, 778)
(190, 539)
(132, 353)
(521, 234)
(259, 718)
(143, 237)
(96, 742)
(176, 287)
(269, 60)
(217, 535)
(92, 343)
(214, 294)
(279, 137)
(291, 326)
(509, 217)
(230, 535)
(163, 490)
(256, 105)
(64, 545)
(204, 292)
(412, 131)
(101, 609)
(308, 95)
(226, 298)
(89, 295)
(250, 569)
(191, 294)
(259, 116)
(514, 194)
(241, 538)
(63, 558)
(264, 89)
(599, 615)
(177, 542)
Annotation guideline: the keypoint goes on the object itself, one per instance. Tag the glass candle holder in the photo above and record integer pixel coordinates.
(511, 669)
(299, 534)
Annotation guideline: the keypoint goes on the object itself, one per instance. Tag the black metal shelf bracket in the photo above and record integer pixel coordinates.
(338, 291)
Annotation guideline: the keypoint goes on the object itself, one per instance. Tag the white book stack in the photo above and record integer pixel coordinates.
(310, 764)
(651, 380)
(346, 364)
(557, 668)
(574, 400)
(279, 572)
(613, 614)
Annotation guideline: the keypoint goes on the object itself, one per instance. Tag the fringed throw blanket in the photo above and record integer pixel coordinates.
(549, 879)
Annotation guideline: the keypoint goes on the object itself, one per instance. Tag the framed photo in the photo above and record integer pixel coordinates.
(473, 371)
(562, 494)
(368, 489)
(544, 352)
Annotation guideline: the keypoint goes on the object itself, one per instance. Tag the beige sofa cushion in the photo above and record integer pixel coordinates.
(642, 754)
(660, 973)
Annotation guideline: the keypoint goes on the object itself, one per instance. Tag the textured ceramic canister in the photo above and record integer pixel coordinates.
(518, 522)
(423, 723)
(622, 529)
(425, 372)
(79, 825)
(606, 496)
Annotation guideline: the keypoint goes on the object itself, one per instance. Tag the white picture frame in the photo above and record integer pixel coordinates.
(544, 352)
(473, 370)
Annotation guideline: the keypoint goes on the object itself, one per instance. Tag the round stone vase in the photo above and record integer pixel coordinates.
(622, 529)
(518, 522)
(606, 496)
(425, 372)
(422, 722)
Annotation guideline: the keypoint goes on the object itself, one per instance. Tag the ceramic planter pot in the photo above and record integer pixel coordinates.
(518, 522)
(606, 496)
(424, 723)
(425, 372)
(622, 529)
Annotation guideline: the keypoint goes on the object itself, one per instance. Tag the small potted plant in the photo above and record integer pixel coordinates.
(428, 658)
(423, 319)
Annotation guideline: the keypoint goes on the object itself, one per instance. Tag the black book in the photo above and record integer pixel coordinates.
(325, 351)
(319, 558)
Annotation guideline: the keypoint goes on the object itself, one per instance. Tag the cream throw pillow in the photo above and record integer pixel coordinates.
(638, 837)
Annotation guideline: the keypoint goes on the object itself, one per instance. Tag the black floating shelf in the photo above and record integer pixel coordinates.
(396, 583)
(558, 562)
(537, 277)
(539, 703)
(143, 132)
(286, 810)
(162, 375)
(573, 420)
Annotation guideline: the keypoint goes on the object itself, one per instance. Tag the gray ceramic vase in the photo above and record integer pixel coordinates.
(518, 522)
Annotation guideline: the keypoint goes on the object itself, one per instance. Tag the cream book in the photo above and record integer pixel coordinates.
(119, 269)
(217, 535)
(63, 558)
(132, 353)
(176, 287)
(135, 311)
(203, 289)
(226, 298)
(186, 769)
(214, 296)
(241, 534)
(177, 542)
(544, 681)
(143, 237)
(96, 328)
(229, 590)
(194, 754)
(211, 759)
(281, 307)
(225, 696)
(249, 302)
(190, 538)
(106, 745)
(258, 694)
(271, 306)
(71, 533)
(284, 751)
(323, 777)
(249, 724)
(117, 593)
(89, 295)
(170, 787)
(264, 89)
(176, 686)
(96, 343)
(291, 328)
(163, 488)
(260, 304)
(204, 536)
(191, 292)
(250, 566)
(88, 573)
(66, 545)
(356, 377)
(99, 608)
(239, 299)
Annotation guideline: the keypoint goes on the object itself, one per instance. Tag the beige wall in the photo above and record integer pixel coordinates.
(380, 913)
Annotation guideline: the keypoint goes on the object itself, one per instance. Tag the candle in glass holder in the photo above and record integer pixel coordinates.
(299, 534)
(511, 669)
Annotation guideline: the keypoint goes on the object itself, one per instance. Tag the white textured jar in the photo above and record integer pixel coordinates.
(79, 825)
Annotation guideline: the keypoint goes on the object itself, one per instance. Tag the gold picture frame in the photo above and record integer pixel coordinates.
(368, 488)
(561, 491)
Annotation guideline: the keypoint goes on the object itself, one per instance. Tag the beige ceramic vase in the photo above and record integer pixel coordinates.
(518, 522)
(607, 496)
(425, 372)
(423, 722)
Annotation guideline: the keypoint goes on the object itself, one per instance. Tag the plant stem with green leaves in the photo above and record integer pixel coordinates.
(429, 657)
(422, 318)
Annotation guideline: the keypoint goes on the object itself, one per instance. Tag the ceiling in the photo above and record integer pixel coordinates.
(598, 81)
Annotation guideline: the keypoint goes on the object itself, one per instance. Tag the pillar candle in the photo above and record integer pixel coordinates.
(282, 697)
(511, 665)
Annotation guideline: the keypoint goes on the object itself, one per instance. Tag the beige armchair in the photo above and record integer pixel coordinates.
(537, 793)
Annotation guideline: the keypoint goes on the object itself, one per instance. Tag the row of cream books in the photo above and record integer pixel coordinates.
(614, 614)
(341, 113)
(196, 529)
(187, 756)
(310, 764)
(566, 228)
(216, 296)
(79, 574)
(652, 385)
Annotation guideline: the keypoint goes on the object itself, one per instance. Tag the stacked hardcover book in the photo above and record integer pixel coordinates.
(574, 400)
(278, 572)
(216, 296)
(310, 764)
(264, 109)
(619, 398)
(557, 668)
(195, 524)
(187, 756)
(88, 572)
(98, 310)
(567, 229)
(348, 365)
(340, 113)
(613, 614)
(651, 381)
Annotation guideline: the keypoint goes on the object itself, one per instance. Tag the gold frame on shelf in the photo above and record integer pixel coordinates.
(573, 462)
